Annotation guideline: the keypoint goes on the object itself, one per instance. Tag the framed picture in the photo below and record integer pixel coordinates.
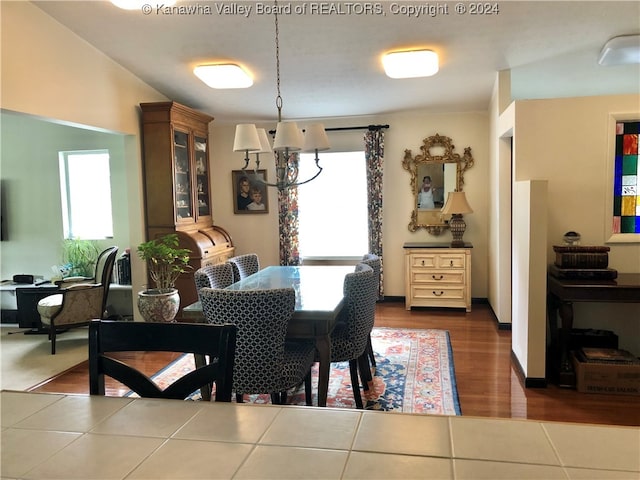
(249, 191)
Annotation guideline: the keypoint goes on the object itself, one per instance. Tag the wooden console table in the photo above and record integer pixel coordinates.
(561, 293)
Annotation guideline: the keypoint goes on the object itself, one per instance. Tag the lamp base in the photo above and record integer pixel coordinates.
(457, 226)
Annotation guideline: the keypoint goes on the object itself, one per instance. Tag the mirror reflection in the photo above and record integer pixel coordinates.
(435, 172)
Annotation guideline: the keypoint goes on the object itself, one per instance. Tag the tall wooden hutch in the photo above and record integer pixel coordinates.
(177, 187)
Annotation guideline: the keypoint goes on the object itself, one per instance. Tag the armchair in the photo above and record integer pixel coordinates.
(78, 303)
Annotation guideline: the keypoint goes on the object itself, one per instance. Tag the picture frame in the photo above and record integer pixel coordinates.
(249, 192)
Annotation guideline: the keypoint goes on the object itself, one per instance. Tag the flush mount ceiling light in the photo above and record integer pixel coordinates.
(410, 64)
(137, 4)
(621, 50)
(225, 75)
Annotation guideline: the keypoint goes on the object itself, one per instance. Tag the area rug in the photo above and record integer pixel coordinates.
(414, 374)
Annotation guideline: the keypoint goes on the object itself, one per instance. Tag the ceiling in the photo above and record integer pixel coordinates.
(331, 61)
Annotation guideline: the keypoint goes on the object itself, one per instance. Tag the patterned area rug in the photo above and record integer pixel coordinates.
(414, 373)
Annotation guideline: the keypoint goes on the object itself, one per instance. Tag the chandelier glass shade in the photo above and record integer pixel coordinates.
(288, 140)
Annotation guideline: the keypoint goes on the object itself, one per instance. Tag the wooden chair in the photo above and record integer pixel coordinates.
(265, 362)
(79, 300)
(244, 265)
(349, 337)
(217, 341)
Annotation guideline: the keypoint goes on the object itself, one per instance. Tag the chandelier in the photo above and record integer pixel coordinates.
(289, 139)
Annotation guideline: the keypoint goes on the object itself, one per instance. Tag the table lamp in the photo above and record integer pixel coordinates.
(456, 205)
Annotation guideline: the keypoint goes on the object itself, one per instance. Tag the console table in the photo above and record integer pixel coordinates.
(561, 293)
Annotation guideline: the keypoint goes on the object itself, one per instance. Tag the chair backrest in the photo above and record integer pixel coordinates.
(375, 263)
(244, 265)
(262, 317)
(104, 271)
(359, 307)
(217, 341)
(213, 276)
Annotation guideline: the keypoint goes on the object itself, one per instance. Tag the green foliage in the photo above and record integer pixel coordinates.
(165, 261)
(80, 256)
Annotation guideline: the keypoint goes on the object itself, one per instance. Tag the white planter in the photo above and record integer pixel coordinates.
(159, 305)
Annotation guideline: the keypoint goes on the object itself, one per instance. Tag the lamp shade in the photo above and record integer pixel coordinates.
(288, 137)
(315, 138)
(456, 204)
(246, 139)
(265, 145)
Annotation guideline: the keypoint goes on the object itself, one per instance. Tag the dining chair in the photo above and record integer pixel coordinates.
(214, 276)
(349, 337)
(80, 300)
(265, 362)
(244, 265)
(217, 341)
(375, 263)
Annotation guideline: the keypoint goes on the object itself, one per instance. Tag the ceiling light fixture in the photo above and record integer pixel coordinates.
(288, 139)
(138, 4)
(621, 50)
(410, 63)
(223, 75)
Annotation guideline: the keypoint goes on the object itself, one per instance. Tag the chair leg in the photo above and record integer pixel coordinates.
(275, 398)
(355, 383)
(239, 398)
(307, 389)
(365, 371)
(52, 335)
(372, 357)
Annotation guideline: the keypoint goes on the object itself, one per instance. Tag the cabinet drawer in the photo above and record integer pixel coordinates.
(435, 292)
(424, 276)
(438, 260)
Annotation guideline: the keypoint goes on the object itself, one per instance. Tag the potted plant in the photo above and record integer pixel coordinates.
(165, 262)
(79, 257)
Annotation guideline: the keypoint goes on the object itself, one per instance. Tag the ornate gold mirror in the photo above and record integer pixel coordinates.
(435, 172)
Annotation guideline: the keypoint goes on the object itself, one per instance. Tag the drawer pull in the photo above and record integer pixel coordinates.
(438, 294)
(434, 277)
(451, 263)
(423, 263)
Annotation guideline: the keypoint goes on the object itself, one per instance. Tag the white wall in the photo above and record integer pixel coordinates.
(49, 72)
(566, 141)
(258, 233)
(31, 184)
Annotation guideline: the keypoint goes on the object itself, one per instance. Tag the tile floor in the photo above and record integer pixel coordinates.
(45, 435)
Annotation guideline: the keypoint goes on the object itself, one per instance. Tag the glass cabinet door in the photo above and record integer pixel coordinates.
(202, 177)
(182, 171)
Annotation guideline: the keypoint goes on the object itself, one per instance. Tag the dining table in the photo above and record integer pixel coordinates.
(319, 299)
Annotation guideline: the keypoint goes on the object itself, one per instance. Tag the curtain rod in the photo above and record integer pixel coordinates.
(372, 128)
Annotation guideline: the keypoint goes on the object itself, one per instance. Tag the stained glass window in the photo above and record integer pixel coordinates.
(626, 179)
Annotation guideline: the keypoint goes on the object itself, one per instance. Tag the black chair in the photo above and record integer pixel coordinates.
(244, 265)
(375, 263)
(217, 341)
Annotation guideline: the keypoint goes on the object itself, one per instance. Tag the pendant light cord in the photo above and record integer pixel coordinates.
(278, 97)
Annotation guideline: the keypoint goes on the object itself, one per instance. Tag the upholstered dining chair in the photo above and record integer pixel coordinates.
(349, 337)
(244, 265)
(78, 302)
(264, 362)
(214, 276)
(375, 263)
(108, 337)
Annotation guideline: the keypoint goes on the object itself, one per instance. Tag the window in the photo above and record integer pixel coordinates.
(626, 180)
(332, 209)
(85, 187)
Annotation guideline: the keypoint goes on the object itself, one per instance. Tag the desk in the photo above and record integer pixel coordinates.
(319, 299)
(562, 292)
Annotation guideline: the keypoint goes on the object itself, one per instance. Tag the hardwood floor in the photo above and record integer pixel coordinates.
(488, 384)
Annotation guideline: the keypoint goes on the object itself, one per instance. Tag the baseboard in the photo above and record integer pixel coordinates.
(528, 382)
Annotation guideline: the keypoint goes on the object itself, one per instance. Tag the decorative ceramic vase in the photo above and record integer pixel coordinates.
(159, 305)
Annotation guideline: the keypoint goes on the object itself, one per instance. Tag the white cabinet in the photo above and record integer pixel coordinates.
(437, 275)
